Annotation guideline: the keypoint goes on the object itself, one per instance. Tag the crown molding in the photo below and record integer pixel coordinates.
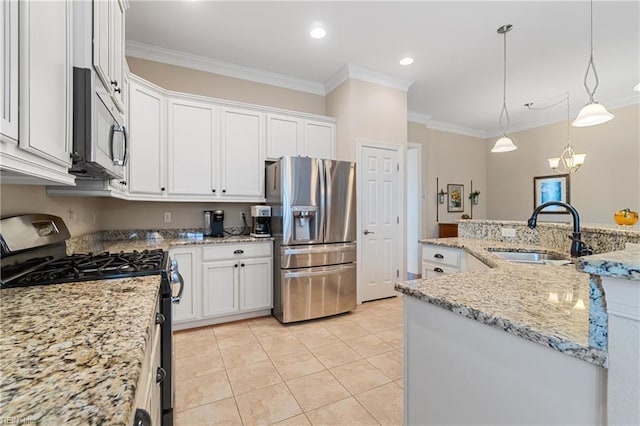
(415, 117)
(175, 57)
(359, 73)
(453, 128)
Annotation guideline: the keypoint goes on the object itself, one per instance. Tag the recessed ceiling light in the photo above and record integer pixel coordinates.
(406, 61)
(318, 32)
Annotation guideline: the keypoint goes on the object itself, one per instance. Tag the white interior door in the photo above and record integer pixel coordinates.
(380, 238)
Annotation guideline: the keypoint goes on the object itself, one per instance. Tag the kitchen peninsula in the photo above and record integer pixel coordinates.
(546, 368)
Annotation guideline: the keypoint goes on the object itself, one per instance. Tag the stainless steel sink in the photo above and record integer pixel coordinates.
(534, 257)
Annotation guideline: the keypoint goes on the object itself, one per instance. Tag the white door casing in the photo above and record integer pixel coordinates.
(380, 197)
(414, 206)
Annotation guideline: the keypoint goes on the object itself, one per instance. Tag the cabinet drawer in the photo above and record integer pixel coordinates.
(430, 270)
(441, 255)
(235, 251)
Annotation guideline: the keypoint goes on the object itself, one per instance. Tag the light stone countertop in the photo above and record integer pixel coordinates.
(619, 264)
(72, 353)
(546, 304)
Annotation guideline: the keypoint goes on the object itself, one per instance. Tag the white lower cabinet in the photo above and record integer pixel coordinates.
(439, 260)
(223, 282)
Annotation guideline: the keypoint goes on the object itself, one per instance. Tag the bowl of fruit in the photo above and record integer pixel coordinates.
(626, 217)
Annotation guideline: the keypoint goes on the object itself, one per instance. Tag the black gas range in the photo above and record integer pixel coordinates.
(33, 252)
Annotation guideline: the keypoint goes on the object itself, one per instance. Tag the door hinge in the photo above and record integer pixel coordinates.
(397, 273)
(398, 166)
(398, 220)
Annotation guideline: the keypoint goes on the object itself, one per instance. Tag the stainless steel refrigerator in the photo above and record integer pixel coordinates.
(313, 208)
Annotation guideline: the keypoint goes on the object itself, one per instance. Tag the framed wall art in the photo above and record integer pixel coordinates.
(456, 197)
(551, 188)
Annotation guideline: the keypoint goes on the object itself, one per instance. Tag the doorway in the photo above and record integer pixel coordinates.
(380, 230)
(414, 209)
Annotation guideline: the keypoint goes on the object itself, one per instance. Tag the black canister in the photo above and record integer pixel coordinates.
(217, 225)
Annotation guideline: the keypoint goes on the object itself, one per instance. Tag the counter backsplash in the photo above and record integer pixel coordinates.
(86, 243)
(550, 235)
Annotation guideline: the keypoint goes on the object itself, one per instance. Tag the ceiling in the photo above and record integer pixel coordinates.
(457, 73)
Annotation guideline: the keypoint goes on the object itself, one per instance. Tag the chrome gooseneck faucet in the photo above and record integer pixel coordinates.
(578, 247)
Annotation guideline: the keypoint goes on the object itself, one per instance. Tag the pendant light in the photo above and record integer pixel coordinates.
(592, 113)
(504, 144)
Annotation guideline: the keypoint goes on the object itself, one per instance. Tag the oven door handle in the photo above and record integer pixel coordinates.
(176, 299)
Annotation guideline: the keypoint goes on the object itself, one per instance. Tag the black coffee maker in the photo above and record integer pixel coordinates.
(217, 224)
(261, 221)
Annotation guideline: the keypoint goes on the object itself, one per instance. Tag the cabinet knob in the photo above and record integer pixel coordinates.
(242, 264)
(224, 190)
(235, 266)
(438, 256)
(123, 182)
(213, 190)
(162, 189)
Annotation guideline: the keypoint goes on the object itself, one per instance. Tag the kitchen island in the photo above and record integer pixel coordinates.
(508, 345)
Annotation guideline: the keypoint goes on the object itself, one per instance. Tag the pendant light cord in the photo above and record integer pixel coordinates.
(591, 64)
(504, 113)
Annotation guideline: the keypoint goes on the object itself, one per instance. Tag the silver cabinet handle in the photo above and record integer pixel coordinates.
(367, 232)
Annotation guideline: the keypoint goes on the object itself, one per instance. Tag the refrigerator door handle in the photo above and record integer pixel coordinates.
(319, 249)
(314, 272)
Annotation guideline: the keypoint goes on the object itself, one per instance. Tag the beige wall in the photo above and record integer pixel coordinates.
(187, 80)
(452, 158)
(121, 214)
(367, 111)
(78, 213)
(608, 181)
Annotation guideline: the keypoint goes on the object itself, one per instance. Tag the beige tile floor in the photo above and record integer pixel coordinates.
(341, 370)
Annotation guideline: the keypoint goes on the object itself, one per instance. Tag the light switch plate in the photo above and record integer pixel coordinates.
(508, 232)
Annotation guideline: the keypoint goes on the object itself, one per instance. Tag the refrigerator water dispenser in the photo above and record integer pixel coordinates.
(305, 223)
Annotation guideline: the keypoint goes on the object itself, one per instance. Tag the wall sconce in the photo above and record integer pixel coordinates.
(474, 197)
(441, 195)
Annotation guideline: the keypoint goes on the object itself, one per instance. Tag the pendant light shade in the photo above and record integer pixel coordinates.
(504, 144)
(592, 113)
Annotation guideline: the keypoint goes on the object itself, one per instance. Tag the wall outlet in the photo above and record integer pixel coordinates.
(167, 217)
(243, 215)
(508, 232)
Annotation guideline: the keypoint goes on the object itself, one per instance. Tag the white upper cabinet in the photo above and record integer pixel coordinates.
(108, 46)
(319, 139)
(147, 135)
(36, 136)
(9, 68)
(284, 136)
(242, 154)
(291, 135)
(192, 147)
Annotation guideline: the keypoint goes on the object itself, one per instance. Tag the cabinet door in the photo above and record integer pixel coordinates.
(284, 136)
(116, 52)
(191, 147)
(147, 132)
(219, 288)
(242, 154)
(46, 79)
(101, 30)
(319, 139)
(9, 80)
(256, 284)
(187, 308)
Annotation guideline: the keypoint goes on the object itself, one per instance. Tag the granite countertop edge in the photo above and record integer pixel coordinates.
(410, 288)
(618, 264)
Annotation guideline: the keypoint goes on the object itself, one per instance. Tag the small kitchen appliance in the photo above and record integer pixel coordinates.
(217, 225)
(208, 223)
(261, 221)
(33, 252)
